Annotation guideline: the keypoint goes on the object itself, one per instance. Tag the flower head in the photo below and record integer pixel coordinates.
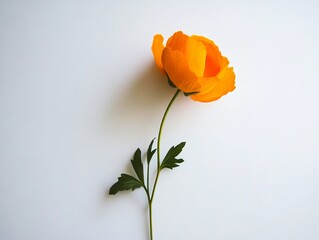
(194, 65)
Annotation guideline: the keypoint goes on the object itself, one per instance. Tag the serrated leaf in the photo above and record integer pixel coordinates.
(150, 152)
(170, 161)
(125, 182)
(138, 165)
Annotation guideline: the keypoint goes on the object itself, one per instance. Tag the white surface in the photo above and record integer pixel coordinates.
(79, 92)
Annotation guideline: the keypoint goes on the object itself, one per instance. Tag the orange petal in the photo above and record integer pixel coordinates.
(178, 71)
(214, 59)
(206, 41)
(177, 41)
(157, 49)
(193, 50)
(222, 86)
(207, 84)
(195, 53)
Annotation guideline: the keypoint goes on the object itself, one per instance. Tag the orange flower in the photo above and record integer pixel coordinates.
(194, 65)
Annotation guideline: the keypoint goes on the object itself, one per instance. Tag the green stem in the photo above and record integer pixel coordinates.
(150, 210)
(148, 177)
(159, 161)
(150, 219)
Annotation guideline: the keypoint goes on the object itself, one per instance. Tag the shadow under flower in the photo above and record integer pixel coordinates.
(141, 103)
(136, 112)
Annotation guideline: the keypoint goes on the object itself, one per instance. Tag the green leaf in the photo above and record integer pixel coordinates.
(190, 93)
(125, 182)
(170, 161)
(170, 82)
(150, 152)
(138, 165)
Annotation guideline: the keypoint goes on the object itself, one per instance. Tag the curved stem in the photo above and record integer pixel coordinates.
(159, 141)
(158, 162)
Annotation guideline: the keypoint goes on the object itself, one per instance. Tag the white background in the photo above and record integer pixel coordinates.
(79, 92)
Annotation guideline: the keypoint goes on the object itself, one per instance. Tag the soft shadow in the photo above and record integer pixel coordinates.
(140, 105)
(141, 102)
